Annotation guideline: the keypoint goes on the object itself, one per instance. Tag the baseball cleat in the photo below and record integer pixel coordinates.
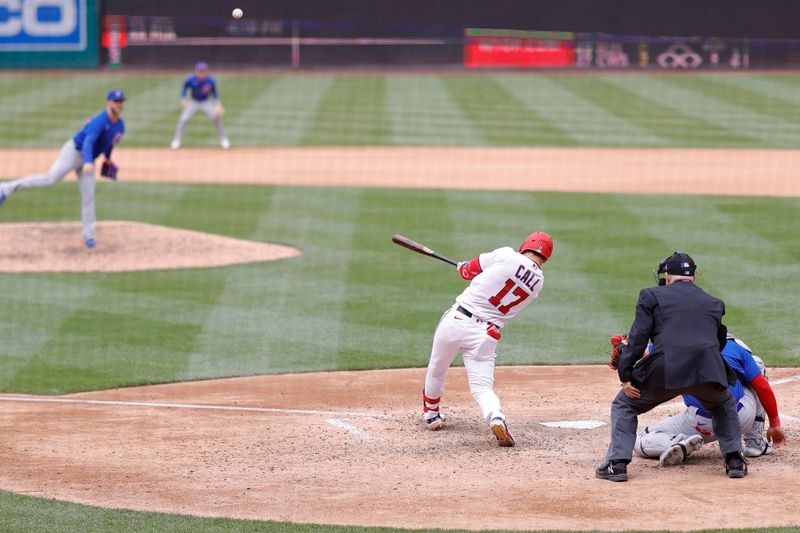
(612, 471)
(435, 423)
(757, 447)
(500, 430)
(692, 444)
(90, 243)
(225, 144)
(735, 465)
(674, 455)
(175, 144)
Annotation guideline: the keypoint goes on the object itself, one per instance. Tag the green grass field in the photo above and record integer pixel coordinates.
(691, 110)
(354, 300)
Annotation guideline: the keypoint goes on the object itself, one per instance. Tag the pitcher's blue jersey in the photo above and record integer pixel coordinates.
(742, 362)
(201, 89)
(99, 136)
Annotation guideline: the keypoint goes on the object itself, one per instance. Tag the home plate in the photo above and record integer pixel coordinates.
(574, 424)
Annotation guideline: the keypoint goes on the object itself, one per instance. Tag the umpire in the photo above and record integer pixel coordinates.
(685, 325)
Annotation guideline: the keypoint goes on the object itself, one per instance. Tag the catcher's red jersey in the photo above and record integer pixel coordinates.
(509, 281)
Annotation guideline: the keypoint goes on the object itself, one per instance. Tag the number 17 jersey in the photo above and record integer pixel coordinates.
(508, 282)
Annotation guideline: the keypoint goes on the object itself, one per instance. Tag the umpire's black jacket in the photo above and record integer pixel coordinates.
(685, 325)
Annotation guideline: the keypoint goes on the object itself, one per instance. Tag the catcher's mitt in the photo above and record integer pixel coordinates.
(109, 170)
(219, 111)
(617, 342)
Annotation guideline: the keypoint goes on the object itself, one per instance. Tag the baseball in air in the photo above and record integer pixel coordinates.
(237, 13)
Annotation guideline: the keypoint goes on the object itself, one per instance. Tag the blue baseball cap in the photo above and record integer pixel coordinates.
(116, 94)
(201, 65)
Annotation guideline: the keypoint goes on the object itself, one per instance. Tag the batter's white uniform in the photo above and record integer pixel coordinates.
(508, 283)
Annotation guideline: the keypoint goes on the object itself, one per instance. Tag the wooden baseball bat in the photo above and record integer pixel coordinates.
(405, 242)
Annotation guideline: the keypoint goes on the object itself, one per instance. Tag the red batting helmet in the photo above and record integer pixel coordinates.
(538, 242)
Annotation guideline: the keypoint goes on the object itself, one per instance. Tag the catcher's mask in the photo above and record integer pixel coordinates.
(677, 264)
(539, 243)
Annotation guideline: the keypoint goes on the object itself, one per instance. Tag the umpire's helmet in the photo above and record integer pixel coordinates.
(539, 243)
(677, 264)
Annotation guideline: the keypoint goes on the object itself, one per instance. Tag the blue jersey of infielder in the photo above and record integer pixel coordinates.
(205, 98)
(200, 89)
(98, 136)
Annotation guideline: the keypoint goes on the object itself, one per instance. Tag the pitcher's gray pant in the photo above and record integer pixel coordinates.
(192, 107)
(69, 159)
(717, 400)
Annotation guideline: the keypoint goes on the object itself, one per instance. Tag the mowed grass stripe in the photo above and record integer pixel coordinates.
(31, 318)
(501, 118)
(761, 277)
(756, 101)
(584, 274)
(729, 262)
(649, 113)
(586, 123)
(279, 112)
(54, 118)
(392, 292)
(423, 114)
(301, 326)
(151, 110)
(781, 87)
(680, 96)
(28, 96)
(352, 113)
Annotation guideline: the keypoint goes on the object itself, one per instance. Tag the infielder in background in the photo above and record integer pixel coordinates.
(203, 97)
(503, 283)
(672, 440)
(98, 136)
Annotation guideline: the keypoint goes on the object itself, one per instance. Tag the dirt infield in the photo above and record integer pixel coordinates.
(637, 170)
(349, 448)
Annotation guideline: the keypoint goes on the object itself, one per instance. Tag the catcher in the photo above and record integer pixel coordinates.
(98, 136)
(203, 97)
(671, 441)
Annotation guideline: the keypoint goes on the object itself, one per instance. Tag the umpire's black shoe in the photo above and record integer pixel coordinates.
(735, 464)
(612, 471)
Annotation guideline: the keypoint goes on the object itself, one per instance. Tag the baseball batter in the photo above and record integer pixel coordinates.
(674, 439)
(503, 283)
(203, 96)
(98, 136)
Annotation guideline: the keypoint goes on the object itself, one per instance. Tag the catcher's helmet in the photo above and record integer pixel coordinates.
(677, 264)
(538, 242)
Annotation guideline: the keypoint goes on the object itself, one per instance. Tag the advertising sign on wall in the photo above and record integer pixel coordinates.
(42, 33)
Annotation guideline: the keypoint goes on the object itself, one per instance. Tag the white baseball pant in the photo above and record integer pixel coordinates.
(658, 438)
(193, 106)
(458, 333)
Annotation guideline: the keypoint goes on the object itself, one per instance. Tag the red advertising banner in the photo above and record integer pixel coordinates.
(504, 48)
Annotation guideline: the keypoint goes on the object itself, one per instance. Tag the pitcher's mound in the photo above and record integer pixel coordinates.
(124, 247)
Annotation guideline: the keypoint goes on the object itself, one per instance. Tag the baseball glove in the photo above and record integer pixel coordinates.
(109, 170)
(617, 342)
(219, 111)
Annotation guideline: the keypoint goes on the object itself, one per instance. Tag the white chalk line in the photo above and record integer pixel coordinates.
(353, 430)
(121, 403)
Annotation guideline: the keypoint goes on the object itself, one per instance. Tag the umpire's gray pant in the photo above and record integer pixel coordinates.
(717, 400)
